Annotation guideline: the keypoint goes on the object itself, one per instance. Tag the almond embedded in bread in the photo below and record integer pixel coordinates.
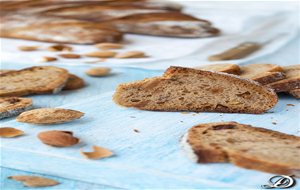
(245, 146)
(49, 116)
(186, 89)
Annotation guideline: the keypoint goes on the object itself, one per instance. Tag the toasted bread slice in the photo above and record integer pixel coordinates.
(295, 93)
(225, 68)
(186, 89)
(262, 73)
(11, 106)
(33, 80)
(74, 82)
(174, 24)
(291, 82)
(245, 146)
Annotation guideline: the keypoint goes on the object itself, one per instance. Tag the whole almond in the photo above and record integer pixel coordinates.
(47, 59)
(58, 138)
(98, 71)
(70, 56)
(106, 46)
(131, 54)
(101, 54)
(49, 116)
(60, 47)
(28, 48)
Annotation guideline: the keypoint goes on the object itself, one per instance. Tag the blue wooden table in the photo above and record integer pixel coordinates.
(287, 55)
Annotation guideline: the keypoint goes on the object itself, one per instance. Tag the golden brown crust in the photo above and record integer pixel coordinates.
(11, 106)
(291, 82)
(225, 68)
(33, 80)
(240, 144)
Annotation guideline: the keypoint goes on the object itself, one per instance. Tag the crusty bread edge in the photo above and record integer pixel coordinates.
(14, 112)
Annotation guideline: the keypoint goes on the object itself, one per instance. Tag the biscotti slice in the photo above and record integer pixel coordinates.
(225, 68)
(186, 89)
(295, 93)
(262, 73)
(33, 80)
(245, 146)
(291, 82)
(11, 106)
(173, 24)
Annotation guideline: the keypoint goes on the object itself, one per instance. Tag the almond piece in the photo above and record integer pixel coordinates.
(70, 56)
(60, 47)
(98, 153)
(58, 138)
(49, 116)
(98, 71)
(10, 132)
(106, 46)
(101, 54)
(34, 181)
(28, 48)
(131, 54)
(47, 59)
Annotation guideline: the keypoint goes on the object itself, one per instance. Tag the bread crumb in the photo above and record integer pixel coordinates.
(185, 112)
(135, 130)
(290, 105)
(274, 123)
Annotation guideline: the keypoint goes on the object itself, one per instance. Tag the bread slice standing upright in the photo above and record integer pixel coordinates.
(186, 89)
(291, 82)
(262, 73)
(245, 146)
(11, 106)
(33, 80)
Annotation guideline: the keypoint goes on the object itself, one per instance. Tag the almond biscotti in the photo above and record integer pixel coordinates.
(245, 146)
(223, 67)
(33, 80)
(185, 89)
(262, 73)
(291, 82)
(11, 106)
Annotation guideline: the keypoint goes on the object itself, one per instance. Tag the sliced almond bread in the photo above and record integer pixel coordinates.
(262, 73)
(11, 106)
(174, 24)
(33, 80)
(245, 146)
(225, 68)
(186, 89)
(295, 93)
(291, 82)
